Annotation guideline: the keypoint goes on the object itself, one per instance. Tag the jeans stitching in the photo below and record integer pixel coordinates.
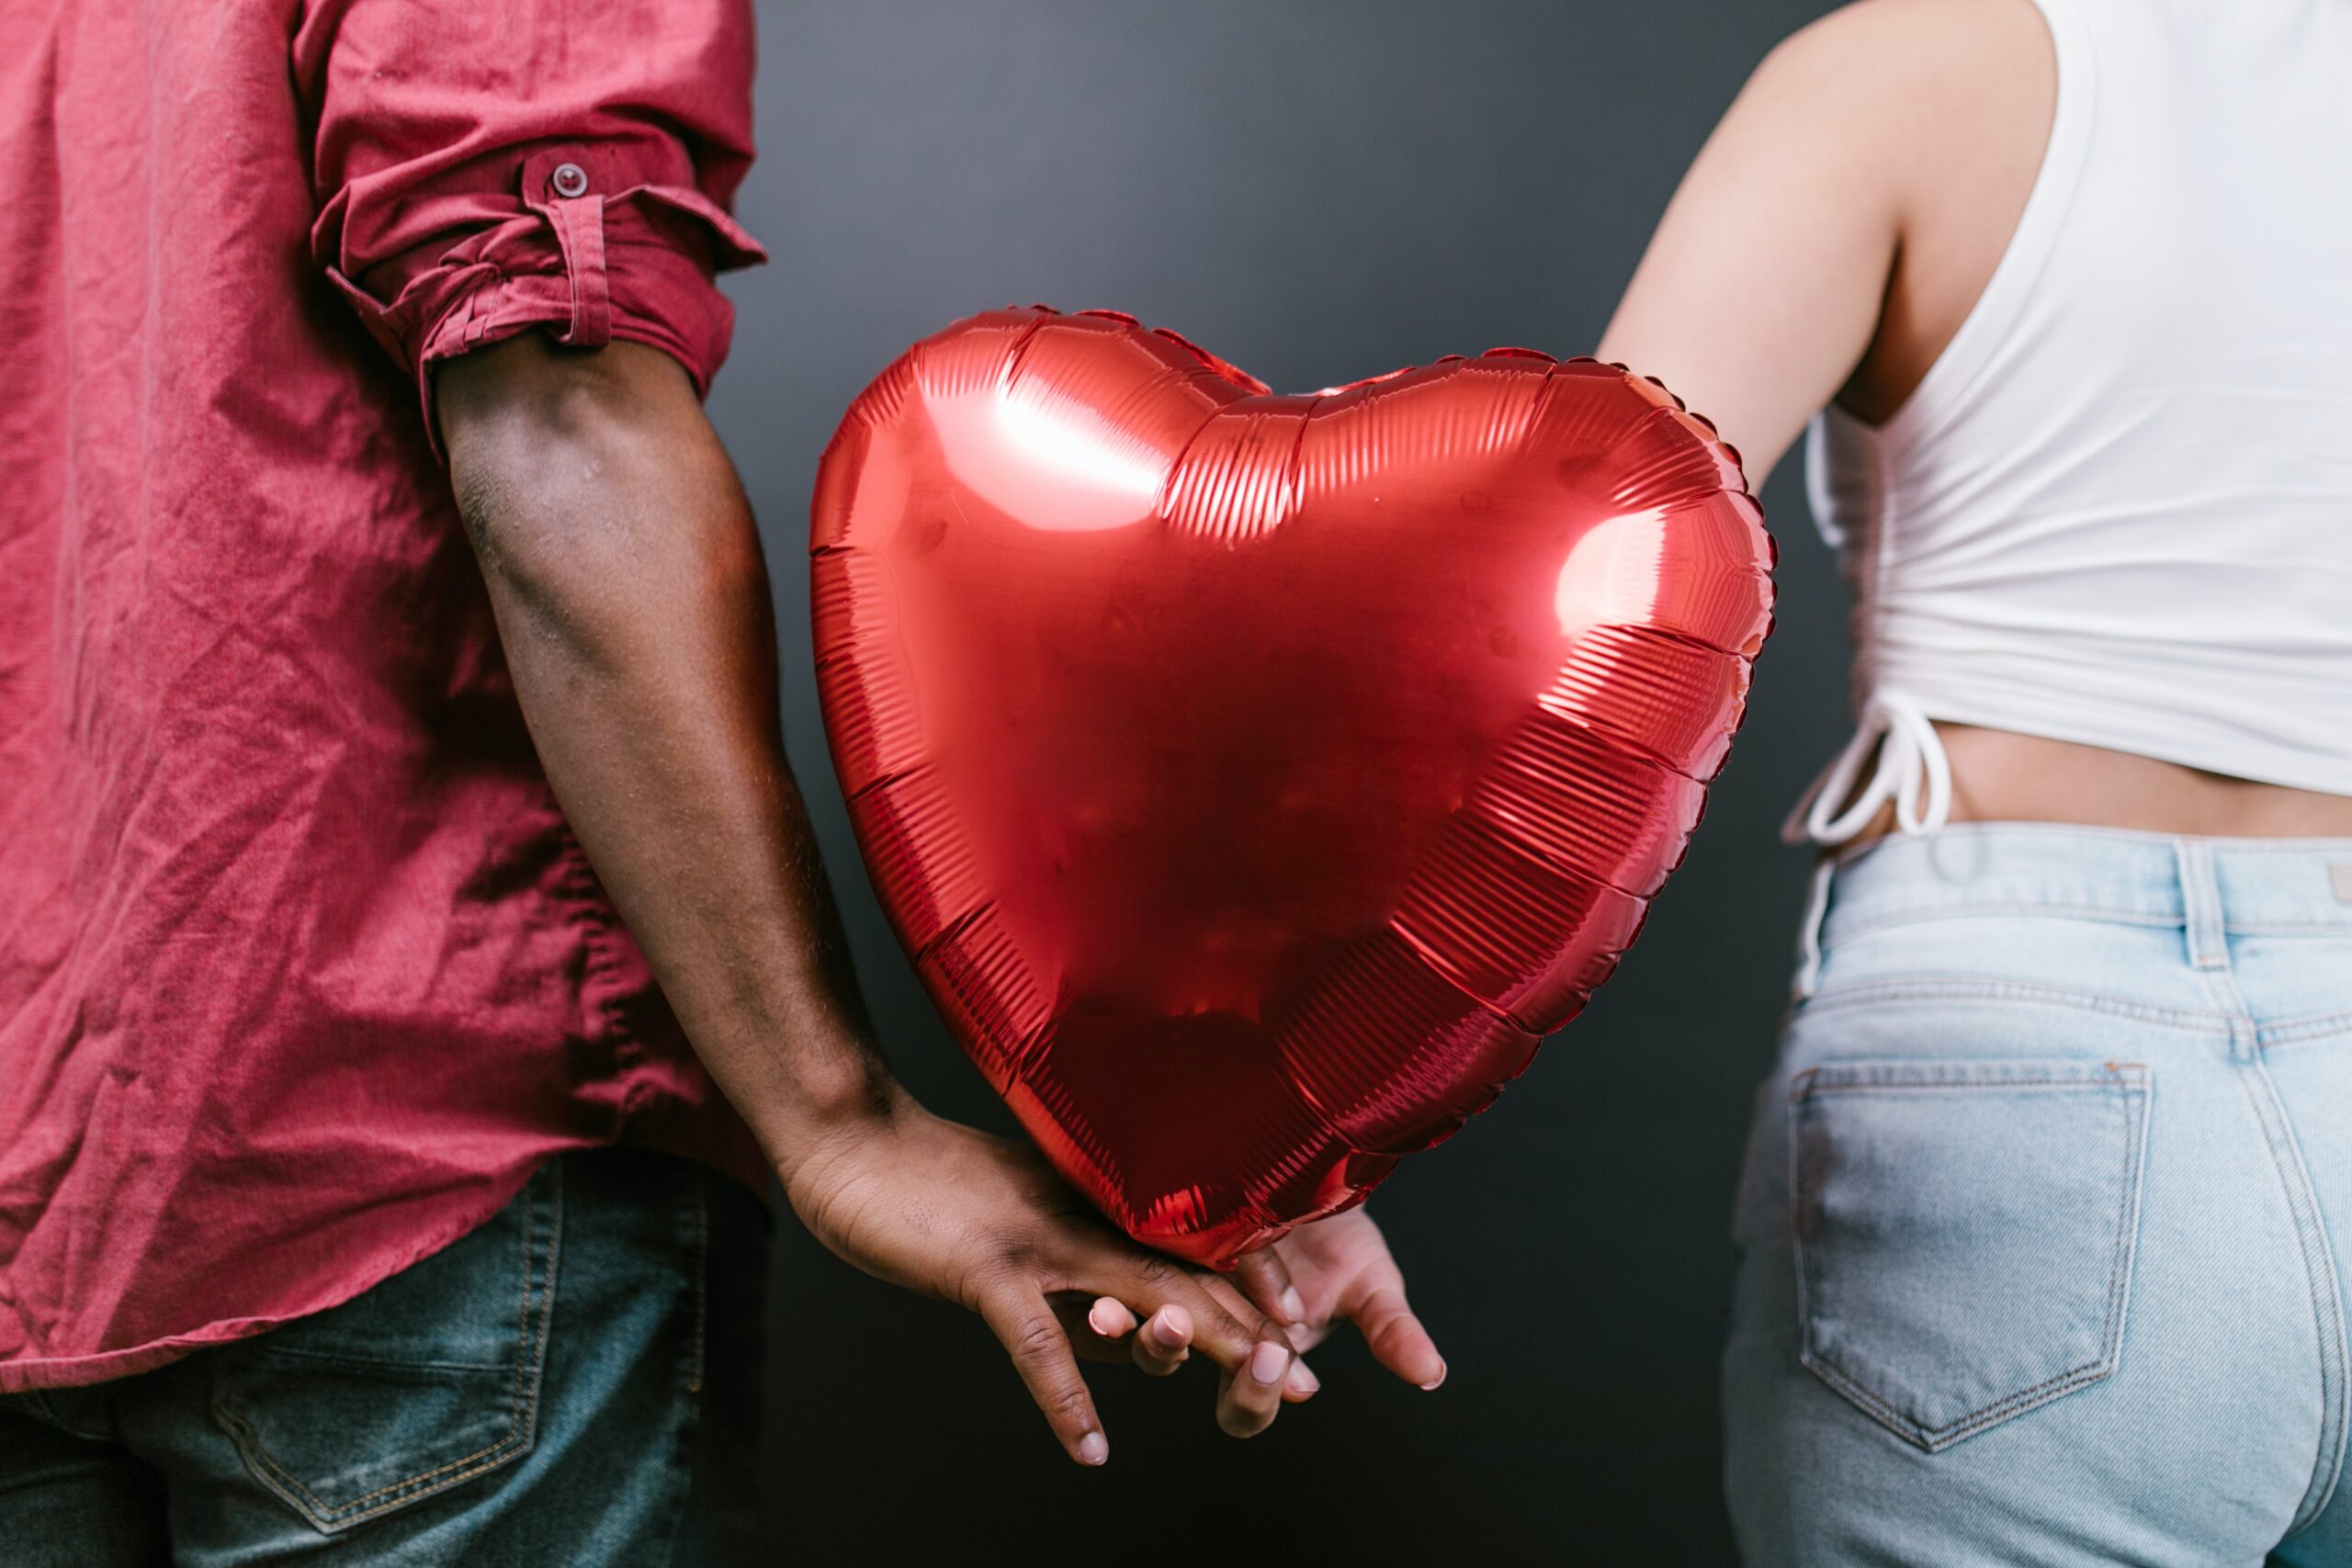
(1956, 1085)
(1964, 988)
(2335, 927)
(2141, 836)
(1860, 919)
(1934, 1438)
(2319, 1280)
(523, 1403)
(2294, 1031)
(2134, 1084)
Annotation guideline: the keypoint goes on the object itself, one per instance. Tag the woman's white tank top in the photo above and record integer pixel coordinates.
(2117, 511)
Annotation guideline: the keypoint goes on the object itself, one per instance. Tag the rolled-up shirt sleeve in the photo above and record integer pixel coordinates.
(485, 166)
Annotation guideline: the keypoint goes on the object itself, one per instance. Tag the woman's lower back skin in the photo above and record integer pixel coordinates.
(2001, 776)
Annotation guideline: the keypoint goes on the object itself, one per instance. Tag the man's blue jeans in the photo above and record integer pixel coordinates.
(577, 1382)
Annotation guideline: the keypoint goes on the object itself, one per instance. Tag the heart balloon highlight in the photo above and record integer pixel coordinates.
(1255, 780)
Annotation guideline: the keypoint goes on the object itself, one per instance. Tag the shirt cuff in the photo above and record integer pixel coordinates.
(595, 254)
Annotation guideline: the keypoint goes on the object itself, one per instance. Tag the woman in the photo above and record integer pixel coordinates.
(2042, 1247)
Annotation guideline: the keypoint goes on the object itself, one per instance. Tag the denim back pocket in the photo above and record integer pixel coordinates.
(1964, 1232)
(421, 1383)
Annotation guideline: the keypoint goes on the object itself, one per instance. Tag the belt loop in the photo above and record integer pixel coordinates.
(2201, 905)
(1816, 911)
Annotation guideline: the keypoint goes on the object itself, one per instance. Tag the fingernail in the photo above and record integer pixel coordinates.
(1302, 1379)
(1164, 1329)
(1268, 1361)
(1103, 1318)
(1437, 1380)
(1293, 1309)
(1093, 1449)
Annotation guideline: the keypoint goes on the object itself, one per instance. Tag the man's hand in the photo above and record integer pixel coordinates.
(633, 608)
(950, 1211)
(1319, 1274)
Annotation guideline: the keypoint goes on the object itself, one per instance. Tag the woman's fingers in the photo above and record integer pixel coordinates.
(1398, 1339)
(1226, 1328)
(1096, 1326)
(1165, 1341)
(1301, 1338)
(1301, 1384)
(1108, 1331)
(1019, 1316)
(1247, 1346)
(1249, 1395)
(1265, 1278)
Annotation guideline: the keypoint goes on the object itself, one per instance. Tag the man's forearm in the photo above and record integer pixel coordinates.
(633, 603)
(625, 573)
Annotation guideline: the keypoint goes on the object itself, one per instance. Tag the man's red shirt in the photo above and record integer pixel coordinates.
(300, 970)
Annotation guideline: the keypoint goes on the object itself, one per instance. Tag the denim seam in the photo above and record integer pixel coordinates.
(1956, 1088)
(1844, 1077)
(1936, 1438)
(2319, 1282)
(1860, 919)
(2140, 836)
(2135, 1087)
(2294, 1031)
(530, 1356)
(2320, 1279)
(1965, 988)
(1864, 918)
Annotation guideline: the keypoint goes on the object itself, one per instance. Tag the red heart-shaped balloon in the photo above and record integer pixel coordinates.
(1254, 780)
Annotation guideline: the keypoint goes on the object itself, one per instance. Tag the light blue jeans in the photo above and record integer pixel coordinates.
(2042, 1227)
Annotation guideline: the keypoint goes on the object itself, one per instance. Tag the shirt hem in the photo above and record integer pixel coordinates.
(28, 1374)
(648, 1131)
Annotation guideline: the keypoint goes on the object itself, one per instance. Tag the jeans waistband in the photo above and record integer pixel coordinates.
(2237, 886)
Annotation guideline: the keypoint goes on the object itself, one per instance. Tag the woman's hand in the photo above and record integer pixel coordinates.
(951, 1212)
(1342, 1270)
(1314, 1277)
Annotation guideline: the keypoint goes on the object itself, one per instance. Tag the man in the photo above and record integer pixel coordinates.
(358, 1185)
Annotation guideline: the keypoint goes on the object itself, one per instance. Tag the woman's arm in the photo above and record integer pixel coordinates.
(1835, 229)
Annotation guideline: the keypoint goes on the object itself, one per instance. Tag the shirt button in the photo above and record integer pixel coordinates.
(569, 180)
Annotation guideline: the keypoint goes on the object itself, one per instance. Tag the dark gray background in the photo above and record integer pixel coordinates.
(1318, 190)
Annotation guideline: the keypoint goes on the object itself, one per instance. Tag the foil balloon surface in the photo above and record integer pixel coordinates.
(1255, 780)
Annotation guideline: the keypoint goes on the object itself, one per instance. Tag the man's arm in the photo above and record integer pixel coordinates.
(632, 600)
